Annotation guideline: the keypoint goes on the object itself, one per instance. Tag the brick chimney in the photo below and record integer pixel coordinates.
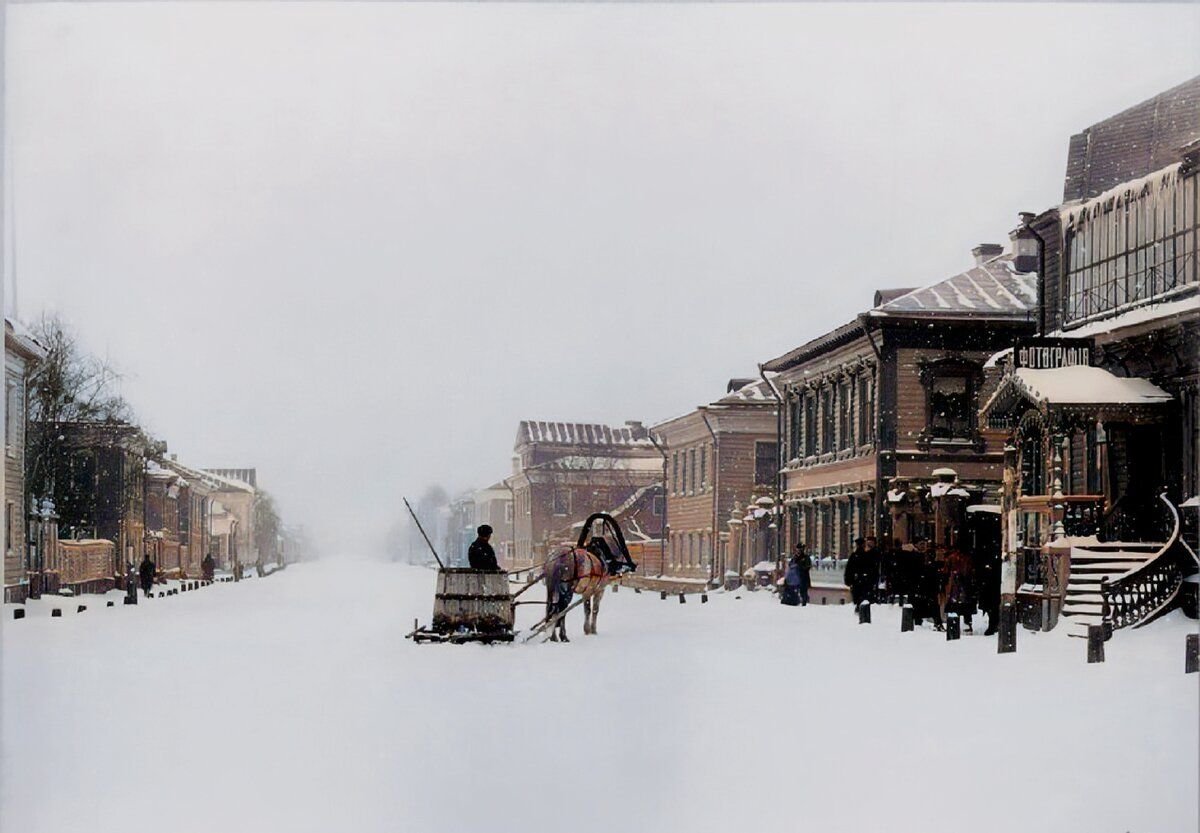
(636, 430)
(985, 252)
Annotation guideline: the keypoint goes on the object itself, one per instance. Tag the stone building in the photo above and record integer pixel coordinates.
(718, 455)
(881, 409)
(238, 499)
(21, 355)
(563, 472)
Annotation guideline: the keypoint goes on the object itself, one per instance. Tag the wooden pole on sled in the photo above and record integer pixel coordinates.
(417, 521)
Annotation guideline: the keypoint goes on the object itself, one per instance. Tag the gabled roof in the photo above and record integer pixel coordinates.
(575, 433)
(843, 334)
(755, 392)
(1073, 387)
(993, 289)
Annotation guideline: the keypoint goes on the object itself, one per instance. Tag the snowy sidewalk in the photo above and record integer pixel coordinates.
(296, 704)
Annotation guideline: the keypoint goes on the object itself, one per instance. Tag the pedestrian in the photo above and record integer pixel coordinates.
(480, 555)
(146, 574)
(862, 572)
(208, 567)
(926, 587)
(987, 587)
(798, 579)
(960, 591)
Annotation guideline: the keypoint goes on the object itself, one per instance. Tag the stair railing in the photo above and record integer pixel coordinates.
(1135, 597)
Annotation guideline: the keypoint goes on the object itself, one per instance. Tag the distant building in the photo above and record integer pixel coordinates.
(718, 455)
(239, 499)
(565, 471)
(460, 530)
(21, 355)
(494, 507)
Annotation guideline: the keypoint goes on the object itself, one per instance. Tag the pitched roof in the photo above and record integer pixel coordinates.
(1134, 142)
(575, 433)
(993, 289)
(754, 392)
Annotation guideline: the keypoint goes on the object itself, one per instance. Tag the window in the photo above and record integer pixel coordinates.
(1127, 250)
(562, 502)
(703, 468)
(766, 465)
(866, 409)
(950, 387)
(508, 512)
(658, 505)
(13, 414)
(810, 424)
(10, 521)
(826, 417)
(675, 473)
(845, 415)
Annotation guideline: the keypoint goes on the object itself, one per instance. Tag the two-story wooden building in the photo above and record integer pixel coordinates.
(562, 472)
(718, 455)
(880, 410)
(21, 355)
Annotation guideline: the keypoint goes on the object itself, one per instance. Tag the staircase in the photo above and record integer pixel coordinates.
(1089, 564)
(1142, 581)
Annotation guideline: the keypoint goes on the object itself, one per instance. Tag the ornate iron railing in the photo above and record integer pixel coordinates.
(1137, 596)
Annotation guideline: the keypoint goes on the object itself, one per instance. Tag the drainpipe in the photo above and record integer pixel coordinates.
(712, 556)
(1027, 223)
(778, 462)
(864, 321)
(662, 536)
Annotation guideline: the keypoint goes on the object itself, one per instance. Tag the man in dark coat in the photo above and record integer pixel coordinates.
(481, 556)
(208, 567)
(862, 572)
(146, 574)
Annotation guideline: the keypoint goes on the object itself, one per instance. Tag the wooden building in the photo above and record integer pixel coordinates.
(878, 410)
(563, 472)
(21, 355)
(719, 455)
(100, 485)
(1101, 408)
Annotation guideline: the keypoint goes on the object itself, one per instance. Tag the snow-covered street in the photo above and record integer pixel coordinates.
(294, 703)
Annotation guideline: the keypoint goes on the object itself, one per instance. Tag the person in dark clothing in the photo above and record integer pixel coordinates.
(797, 580)
(862, 572)
(928, 588)
(208, 567)
(481, 556)
(146, 574)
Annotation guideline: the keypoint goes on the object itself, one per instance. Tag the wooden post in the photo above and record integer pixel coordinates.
(19, 613)
(953, 627)
(864, 614)
(56, 612)
(662, 595)
(1191, 661)
(110, 604)
(81, 609)
(1006, 638)
(682, 599)
(1095, 643)
(824, 598)
(703, 598)
(637, 590)
(906, 619)
(1105, 613)
(130, 601)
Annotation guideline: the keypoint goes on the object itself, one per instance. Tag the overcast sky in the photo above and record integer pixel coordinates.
(353, 246)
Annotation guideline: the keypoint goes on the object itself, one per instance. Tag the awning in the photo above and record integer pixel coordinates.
(1077, 388)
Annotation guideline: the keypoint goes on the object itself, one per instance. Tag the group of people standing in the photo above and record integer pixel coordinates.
(936, 581)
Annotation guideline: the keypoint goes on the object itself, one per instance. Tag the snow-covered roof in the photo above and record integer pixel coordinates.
(1079, 385)
(1146, 314)
(756, 391)
(575, 433)
(993, 288)
(578, 462)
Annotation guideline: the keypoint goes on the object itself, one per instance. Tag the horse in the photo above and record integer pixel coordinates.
(575, 570)
(585, 569)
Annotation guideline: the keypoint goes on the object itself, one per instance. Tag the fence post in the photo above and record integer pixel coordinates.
(1006, 640)
(906, 618)
(1191, 661)
(864, 614)
(1095, 643)
(953, 627)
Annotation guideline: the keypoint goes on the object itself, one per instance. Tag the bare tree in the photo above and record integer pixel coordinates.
(71, 385)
